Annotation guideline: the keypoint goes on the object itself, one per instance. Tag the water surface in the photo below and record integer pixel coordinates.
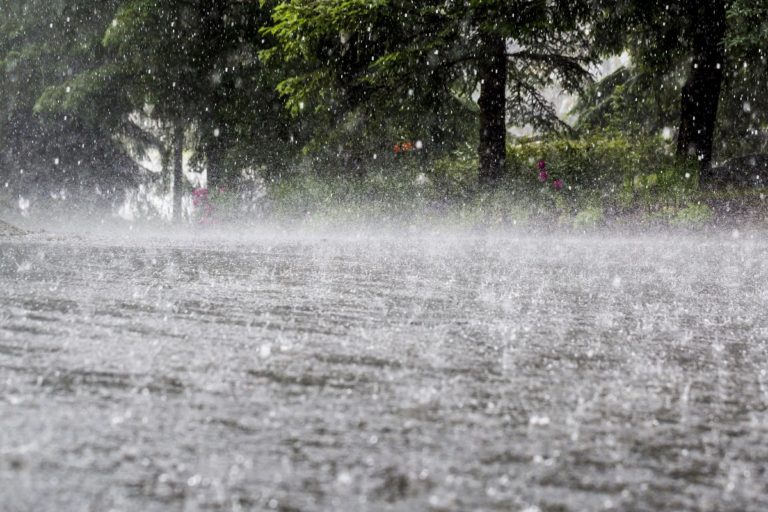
(424, 371)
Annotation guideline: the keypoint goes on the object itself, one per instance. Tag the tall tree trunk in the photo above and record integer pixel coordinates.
(701, 92)
(214, 152)
(213, 28)
(178, 169)
(492, 150)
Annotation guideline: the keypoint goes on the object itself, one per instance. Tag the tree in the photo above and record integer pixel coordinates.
(191, 67)
(361, 53)
(631, 100)
(700, 97)
(42, 45)
(197, 62)
(713, 47)
(743, 122)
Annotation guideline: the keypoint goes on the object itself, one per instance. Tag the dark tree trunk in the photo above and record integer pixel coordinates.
(701, 92)
(493, 102)
(178, 169)
(213, 30)
(214, 153)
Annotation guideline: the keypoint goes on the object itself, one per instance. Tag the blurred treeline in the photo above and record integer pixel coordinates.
(343, 90)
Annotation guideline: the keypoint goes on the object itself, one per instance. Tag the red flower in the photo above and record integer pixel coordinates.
(542, 165)
(543, 176)
(403, 147)
(557, 184)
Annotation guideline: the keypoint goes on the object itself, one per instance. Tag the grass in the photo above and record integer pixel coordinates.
(610, 180)
(414, 197)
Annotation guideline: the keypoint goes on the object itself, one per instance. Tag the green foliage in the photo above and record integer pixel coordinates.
(606, 177)
(589, 217)
(743, 124)
(42, 45)
(455, 174)
(749, 20)
(645, 98)
(612, 171)
(95, 96)
(692, 215)
(411, 68)
(310, 93)
(192, 63)
(655, 32)
(630, 101)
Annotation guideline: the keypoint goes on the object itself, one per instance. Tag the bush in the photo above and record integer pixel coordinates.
(622, 172)
(589, 217)
(601, 177)
(692, 215)
(455, 175)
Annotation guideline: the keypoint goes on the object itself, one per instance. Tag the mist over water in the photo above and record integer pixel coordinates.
(421, 368)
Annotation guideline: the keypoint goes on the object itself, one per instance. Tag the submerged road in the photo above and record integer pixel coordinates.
(384, 373)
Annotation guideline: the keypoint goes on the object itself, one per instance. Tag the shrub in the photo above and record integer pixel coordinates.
(692, 214)
(587, 179)
(624, 172)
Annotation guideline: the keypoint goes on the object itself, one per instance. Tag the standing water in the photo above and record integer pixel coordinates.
(434, 371)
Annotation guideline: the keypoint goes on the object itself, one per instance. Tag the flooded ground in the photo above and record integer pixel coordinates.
(422, 372)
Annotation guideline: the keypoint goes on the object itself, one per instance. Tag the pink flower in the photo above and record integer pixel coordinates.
(542, 165)
(543, 176)
(557, 184)
(200, 192)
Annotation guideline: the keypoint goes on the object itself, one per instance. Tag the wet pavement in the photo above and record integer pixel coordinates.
(431, 371)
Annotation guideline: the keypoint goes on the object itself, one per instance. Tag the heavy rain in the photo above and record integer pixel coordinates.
(383, 255)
